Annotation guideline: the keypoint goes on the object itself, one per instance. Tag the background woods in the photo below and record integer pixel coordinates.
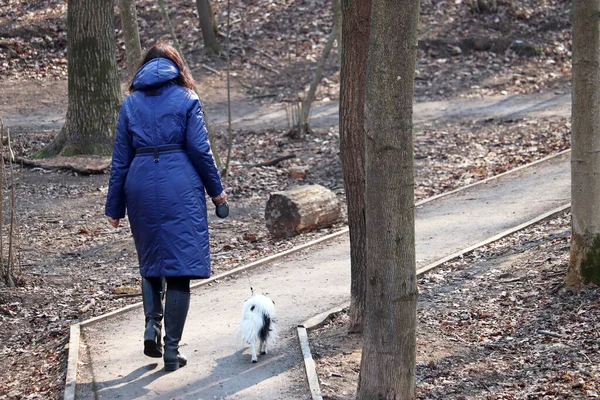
(71, 266)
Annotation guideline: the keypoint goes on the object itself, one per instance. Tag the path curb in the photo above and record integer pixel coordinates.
(320, 319)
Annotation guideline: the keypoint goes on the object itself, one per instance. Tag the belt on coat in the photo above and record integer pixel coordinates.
(155, 150)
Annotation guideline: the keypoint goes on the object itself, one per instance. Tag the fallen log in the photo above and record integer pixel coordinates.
(304, 208)
(80, 164)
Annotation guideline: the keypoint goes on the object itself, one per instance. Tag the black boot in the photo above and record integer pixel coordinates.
(176, 309)
(152, 295)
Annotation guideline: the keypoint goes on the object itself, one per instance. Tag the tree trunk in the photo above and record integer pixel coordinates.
(482, 6)
(337, 21)
(307, 103)
(356, 20)
(163, 9)
(213, 20)
(94, 91)
(301, 209)
(584, 265)
(207, 25)
(389, 339)
(131, 35)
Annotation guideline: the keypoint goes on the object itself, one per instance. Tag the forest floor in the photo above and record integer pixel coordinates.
(72, 266)
(494, 324)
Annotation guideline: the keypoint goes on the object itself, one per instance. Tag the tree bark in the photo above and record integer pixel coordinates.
(389, 339)
(94, 91)
(207, 25)
(584, 265)
(131, 34)
(356, 20)
(301, 209)
(213, 19)
(482, 6)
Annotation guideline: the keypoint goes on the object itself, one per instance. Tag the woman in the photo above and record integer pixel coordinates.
(162, 164)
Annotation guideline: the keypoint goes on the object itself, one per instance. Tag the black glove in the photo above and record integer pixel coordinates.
(222, 210)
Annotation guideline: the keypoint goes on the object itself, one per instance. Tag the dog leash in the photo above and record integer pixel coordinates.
(249, 283)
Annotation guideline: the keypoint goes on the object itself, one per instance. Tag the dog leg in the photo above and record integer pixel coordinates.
(263, 347)
(253, 346)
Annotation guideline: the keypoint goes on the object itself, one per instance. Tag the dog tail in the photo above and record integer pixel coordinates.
(263, 334)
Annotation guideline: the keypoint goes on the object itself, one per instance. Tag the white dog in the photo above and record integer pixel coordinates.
(258, 323)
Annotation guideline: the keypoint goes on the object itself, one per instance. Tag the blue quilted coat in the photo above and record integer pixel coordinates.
(163, 191)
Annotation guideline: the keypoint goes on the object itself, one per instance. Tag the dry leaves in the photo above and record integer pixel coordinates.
(495, 324)
(74, 266)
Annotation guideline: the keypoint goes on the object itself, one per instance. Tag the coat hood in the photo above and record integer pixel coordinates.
(155, 72)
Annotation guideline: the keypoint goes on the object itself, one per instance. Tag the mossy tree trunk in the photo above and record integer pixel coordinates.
(208, 26)
(584, 265)
(131, 35)
(94, 91)
(387, 368)
(356, 19)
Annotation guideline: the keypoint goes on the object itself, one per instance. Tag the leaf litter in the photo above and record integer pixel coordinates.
(496, 323)
(73, 266)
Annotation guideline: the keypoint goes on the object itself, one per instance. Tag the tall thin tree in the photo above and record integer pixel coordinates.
(207, 25)
(389, 338)
(584, 265)
(163, 8)
(94, 91)
(356, 20)
(304, 122)
(131, 34)
(229, 131)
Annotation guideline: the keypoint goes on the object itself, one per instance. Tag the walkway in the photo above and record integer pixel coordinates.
(303, 285)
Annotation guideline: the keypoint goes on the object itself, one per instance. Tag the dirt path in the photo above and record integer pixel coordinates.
(32, 106)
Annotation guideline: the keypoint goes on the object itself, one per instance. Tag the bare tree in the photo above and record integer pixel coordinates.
(6, 272)
(389, 338)
(229, 131)
(356, 20)
(94, 91)
(165, 13)
(304, 121)
(584, 265)
(337, 21)
(208, 26)
(131, 35)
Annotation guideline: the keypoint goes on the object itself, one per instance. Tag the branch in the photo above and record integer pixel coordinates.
(80, 164)
(264, 66)
(305, 114)
(269, 163)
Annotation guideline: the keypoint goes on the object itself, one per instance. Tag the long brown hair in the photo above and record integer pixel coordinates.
(165, 50)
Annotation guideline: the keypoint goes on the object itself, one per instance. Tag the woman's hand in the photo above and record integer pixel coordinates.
(220, 199)
(113, 221)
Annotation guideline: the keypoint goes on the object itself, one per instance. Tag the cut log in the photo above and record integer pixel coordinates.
(301, 209)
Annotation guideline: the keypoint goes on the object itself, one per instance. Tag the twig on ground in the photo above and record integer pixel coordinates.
(268, 163)
(264, 66)
(549, 333)
(214, 71)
